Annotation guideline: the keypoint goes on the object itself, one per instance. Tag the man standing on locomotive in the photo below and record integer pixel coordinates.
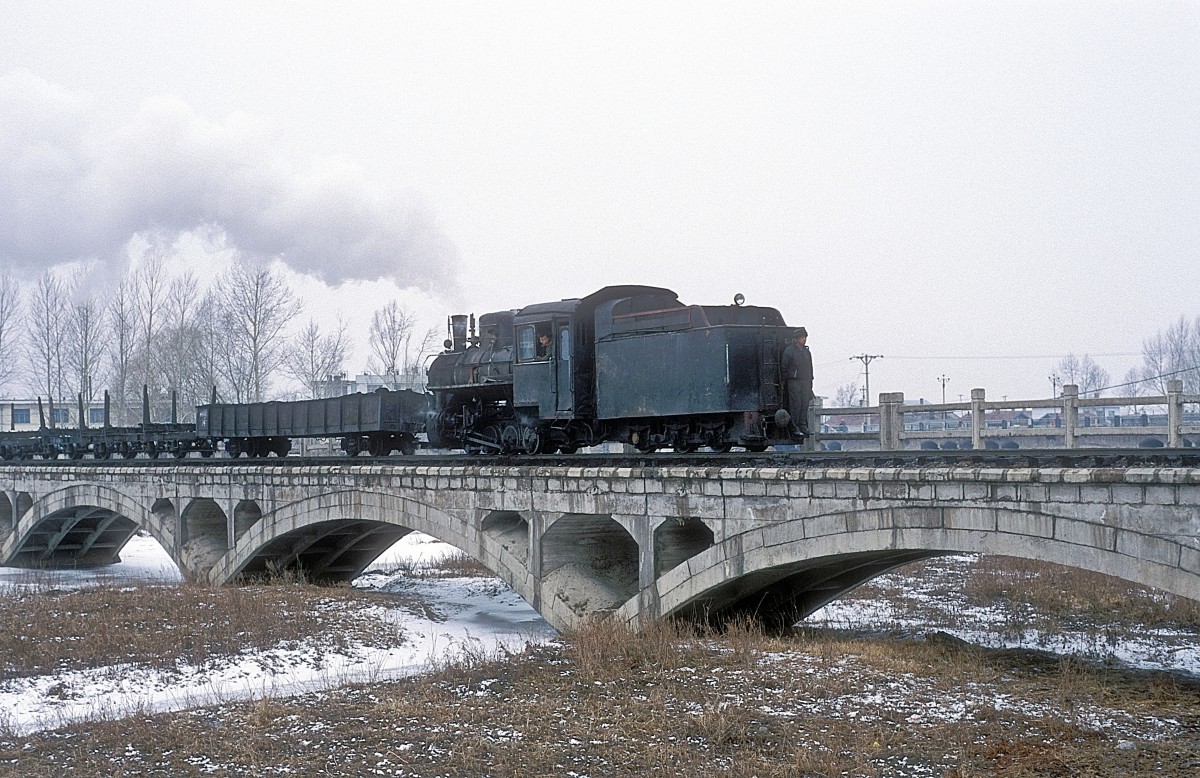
(798, 372)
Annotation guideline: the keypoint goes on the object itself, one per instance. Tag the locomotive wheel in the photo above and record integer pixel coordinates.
(722, 448)
(282, 446)
(494, 436)
(408, 445)
(532, 442)
(510, 439)
(568, 449)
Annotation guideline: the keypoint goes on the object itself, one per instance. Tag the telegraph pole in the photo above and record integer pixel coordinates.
(867, 359)
(943, 380)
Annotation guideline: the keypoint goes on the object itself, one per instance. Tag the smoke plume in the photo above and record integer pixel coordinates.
(72, 188)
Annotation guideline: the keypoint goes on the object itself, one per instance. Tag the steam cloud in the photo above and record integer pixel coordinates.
(72, 189)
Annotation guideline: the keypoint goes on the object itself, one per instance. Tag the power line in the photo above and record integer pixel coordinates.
(1147, 379)
(1021, 356)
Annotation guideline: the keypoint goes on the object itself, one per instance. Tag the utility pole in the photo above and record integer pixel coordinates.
(943, 380)
(867, 359)
(1054, 382)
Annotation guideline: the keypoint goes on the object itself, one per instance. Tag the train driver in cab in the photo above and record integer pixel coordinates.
(545, 345)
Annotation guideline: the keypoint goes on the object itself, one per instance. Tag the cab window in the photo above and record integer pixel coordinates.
(535, 342)
(526, 344)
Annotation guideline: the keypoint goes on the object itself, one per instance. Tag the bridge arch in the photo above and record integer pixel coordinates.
(338, 534)
(791, 569)
(81, 524)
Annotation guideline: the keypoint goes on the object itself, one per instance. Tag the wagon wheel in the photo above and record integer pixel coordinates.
(351, 445)
(378, 445)
(282, 446)
(233, 447)
(100, 451)
(128, 450)
(532, 441)
(408, 444)
(181, 449)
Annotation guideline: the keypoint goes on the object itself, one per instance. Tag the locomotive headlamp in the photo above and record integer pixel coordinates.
(739, 299)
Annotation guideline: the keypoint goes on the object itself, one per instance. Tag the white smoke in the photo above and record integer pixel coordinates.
(72, 189)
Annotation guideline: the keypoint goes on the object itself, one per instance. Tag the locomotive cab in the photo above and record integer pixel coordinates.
(543, 373)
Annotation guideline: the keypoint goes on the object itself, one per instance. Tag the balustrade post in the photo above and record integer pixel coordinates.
(1070, 413)
(814, 424)
(891, 420)
(1175, 413)
(977, 423)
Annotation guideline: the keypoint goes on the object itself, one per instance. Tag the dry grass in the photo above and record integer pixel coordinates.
(608, 702)
(161, 625)
(678, 700)
(1076, 597)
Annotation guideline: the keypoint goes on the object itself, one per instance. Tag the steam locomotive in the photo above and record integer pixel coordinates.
(629, 364)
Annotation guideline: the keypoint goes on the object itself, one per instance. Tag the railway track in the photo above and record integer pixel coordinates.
(1091, 458)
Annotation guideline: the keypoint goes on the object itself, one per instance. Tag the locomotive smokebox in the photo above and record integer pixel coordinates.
(458, 332)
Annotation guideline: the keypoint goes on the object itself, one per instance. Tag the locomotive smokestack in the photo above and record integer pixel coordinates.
(458, 332)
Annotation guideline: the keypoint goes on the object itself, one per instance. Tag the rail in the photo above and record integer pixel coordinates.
(981, 423)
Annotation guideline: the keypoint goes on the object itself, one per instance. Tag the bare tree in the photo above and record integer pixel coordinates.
(847, 395)
(255, 305)
(122, 327)
(84, 338)
(414, 358)
(315, 357)
(179, 357)
(390, 333)
(209, 349)
(10, 314)
(1172, 353)
(150, 292)
(1084, 373)
(46, 337)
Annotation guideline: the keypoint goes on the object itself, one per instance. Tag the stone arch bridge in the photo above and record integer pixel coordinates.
(642, 543)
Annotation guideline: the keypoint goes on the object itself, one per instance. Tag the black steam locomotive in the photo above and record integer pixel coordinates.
(629, 364)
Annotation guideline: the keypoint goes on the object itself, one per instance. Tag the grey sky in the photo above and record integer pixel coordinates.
(949, 184)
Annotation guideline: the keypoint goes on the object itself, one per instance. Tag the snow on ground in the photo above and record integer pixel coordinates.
(942, 606)
(473, 617)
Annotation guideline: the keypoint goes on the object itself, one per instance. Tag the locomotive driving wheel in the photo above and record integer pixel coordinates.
(510, 439)
(533, 442)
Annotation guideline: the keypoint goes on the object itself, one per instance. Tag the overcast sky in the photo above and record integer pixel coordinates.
(970, 189)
